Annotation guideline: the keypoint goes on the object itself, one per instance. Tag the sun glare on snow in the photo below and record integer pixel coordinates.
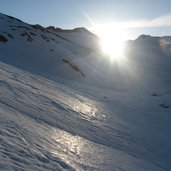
(112, 40)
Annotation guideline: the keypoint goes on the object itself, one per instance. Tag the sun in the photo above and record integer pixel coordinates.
(112, 38)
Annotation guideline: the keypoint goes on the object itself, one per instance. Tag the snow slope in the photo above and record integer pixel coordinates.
(64, 106)
(76, 55)
(48, 126)
(45, 51)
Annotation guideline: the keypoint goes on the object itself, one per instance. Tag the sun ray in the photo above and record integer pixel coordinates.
(112, 38)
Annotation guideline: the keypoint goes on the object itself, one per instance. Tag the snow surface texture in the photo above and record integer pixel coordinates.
(54, 118)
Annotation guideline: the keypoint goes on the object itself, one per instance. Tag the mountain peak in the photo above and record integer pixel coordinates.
(144, 36)
(77, 29)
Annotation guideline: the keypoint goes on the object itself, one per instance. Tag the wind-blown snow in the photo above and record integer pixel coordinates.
(52, 118)
(46, 125)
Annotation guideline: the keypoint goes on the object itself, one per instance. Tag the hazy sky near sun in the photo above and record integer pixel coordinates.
(138, 16)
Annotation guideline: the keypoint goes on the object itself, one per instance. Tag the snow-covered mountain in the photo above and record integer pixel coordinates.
(65, 106)
(64, 53)
(76, 55)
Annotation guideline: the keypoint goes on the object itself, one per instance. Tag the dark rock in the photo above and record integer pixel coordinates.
(45, 38)
(29, 38)
(164, 105)
(3, 39)
(73, 66)
(32, 33)
(156, 94)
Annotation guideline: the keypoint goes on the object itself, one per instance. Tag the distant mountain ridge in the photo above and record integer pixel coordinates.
(46, 50)
(58, 46)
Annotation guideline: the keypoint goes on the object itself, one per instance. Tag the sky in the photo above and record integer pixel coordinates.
(138, 17)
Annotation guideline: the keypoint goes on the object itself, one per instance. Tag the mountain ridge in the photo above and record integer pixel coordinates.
(64, 105)
(46, 50)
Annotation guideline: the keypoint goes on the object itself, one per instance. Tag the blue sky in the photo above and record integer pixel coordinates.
(146, 16)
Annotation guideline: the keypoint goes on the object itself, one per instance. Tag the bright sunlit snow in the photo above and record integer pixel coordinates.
(112, 40)
(65, 106)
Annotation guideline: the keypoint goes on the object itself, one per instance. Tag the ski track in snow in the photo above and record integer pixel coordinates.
(48, 126)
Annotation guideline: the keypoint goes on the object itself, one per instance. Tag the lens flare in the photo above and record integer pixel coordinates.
(112, 38)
